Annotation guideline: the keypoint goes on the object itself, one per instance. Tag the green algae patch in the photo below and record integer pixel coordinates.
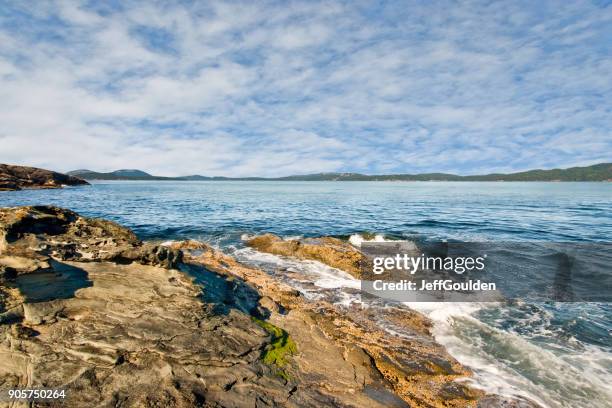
(280, 347)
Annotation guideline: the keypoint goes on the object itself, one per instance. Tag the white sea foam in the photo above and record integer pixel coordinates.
(505, 363)
(449, 319)
(292, 237)
(318, 273)
(357, 239)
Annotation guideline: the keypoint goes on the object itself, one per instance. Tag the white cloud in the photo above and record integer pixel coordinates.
(281, 88)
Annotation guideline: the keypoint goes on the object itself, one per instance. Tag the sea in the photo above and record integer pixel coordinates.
(556, 354)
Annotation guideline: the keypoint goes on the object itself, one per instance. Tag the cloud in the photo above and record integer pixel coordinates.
(276, 88)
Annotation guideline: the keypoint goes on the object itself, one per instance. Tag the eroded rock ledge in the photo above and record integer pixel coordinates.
(20, 177)
(87, 306)
(328, 250)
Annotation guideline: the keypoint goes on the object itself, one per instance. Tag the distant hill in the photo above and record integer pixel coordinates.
(124, 174)
(78, 172)
(130, 173)
(597, 172)
(365, 177)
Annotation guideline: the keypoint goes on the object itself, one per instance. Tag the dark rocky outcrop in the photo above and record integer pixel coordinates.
(20, 177)
(66, 236)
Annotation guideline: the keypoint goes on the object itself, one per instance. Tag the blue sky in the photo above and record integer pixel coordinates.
(278, 88)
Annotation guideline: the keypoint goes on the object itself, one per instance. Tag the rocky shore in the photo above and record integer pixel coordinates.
(331, 251)
(86, 306)
(22, 177)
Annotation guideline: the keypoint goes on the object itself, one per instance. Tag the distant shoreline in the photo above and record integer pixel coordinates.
(355, 181)
(597, 172)
(16, 177)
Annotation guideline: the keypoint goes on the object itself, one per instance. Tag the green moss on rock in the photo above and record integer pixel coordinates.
(280, 347)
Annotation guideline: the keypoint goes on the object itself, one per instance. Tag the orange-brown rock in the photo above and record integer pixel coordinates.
(331, 251)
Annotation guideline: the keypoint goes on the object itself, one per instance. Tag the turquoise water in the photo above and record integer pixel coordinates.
(557, 354)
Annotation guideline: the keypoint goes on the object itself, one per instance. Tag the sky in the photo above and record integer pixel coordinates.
(264, 88)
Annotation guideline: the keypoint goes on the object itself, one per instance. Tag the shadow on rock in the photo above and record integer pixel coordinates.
(226, 292)
(61, 281)
(37, 220)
